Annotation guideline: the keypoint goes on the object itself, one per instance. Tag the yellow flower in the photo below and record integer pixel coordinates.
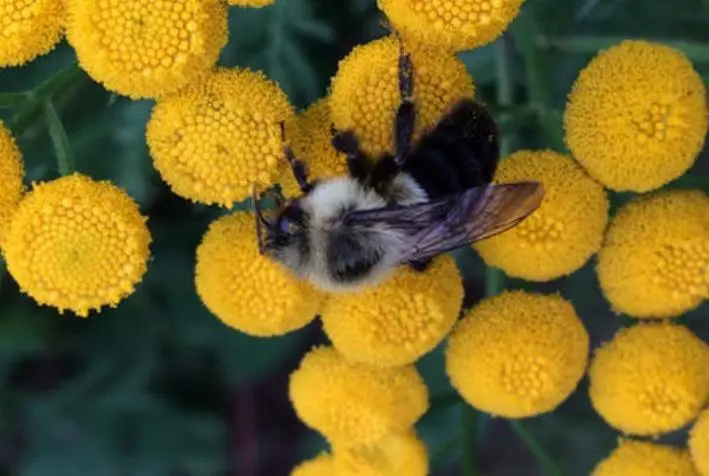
(311, 141)
(365, 90)
(146, 48)
(355, 404)
(699, 443)
(251, 3)
(518, 354)
(318, 466)
(639, 458)
(393, 455)
(248, 291)
(650, 379)
(460, 25)
(637, 116)
(29, 28)
(399, 320)
(77, 244)
(566, 230)
(219, 135)
(654, 261)
(11, 173)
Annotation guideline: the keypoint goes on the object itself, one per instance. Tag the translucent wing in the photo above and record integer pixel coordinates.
(449, 222)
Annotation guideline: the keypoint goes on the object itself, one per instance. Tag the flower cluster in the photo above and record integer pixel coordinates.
(11, 173)
(639, 458)
(29, 28)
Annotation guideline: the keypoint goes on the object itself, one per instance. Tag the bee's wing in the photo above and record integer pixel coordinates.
(449, 222)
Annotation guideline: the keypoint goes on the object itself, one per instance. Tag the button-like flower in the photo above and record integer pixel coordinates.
(518, 354)
(146, 48)
(637, 116)
(219, 135)
(699, 443)
(77, 244)
(459, 25)
(251, 3)
(248, 291)
(11, 173)
(563, 233)
(365, 90)
(393, 455)
(650, 379)
(640, 458)
(29, 28)
(399, 320)
(310, 137)
(655, 259)
(321, 465)
(355, 404)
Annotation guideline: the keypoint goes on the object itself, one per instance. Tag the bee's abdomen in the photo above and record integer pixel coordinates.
(459, 153)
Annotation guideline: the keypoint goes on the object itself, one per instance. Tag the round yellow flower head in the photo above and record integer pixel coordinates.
(321, 465)
(11, 173)
(699, 443)
(248, 291)
(365, 91)
(355, 404)
(460, 25)
(29, 28)
(251, 3)
(518, 354)
(637, 116)
(146, 48)
(393, 455)
(639, 458)
(563, 233)
(219, 135)
(655, 259)
(77, 244)
(311, 141)
(650, 378)
(399, 320)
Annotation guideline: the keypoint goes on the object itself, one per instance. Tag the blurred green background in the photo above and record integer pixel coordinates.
(159, 386)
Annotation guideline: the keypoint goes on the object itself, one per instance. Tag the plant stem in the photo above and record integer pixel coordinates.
(550, 466)
(60, 141)
(505, 88)
(469, 422)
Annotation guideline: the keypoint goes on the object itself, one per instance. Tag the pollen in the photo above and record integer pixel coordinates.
(460, 25)
(310, 137)
(248, 291)
(650, 379)
(321, 465)
(146, 48)
(655, 259)
(636, 117)
(77, 244)
(518, 354)
(393, 455)
(251, 3)
(28, 29)
(11, 173)
(355, 404)
(398, 321)
(365, 90)
(563, 233)
(699, 443)
(640, 458)
(215, 138)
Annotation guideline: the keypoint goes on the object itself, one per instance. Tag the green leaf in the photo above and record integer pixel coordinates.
(60, 141)
(8, 100)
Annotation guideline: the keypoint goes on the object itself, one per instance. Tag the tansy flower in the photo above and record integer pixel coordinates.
(399, 320)
(566, 230)
(637, 116)
(311, 141)
(699, 443)
(146, 48)
(639, 458)
(29, 28)
(365, 91)
(11, 173)
(321, 465)
(656, 254)
(77, 244)
(650, 379)
(393, 455)
(518, 354)
(219, 135)
(460, 25)
(248, 291)
(355, 404)
(251, 3)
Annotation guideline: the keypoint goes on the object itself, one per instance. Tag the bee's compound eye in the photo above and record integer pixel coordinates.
(286, 226)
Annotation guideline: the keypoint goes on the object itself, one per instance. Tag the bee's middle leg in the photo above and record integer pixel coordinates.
(420, 265)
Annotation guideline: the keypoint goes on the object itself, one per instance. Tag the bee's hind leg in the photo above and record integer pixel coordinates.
(405, 120)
